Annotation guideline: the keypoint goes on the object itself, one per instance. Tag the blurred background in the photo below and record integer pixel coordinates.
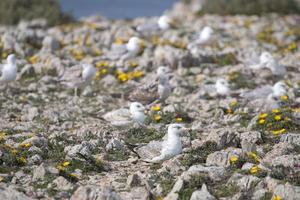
(116, 8)
(62, 11)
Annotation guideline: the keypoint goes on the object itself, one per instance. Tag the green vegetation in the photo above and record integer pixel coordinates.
(245, 7)
(226, 190)
(199, 155)
(140, 135)
(12, 11)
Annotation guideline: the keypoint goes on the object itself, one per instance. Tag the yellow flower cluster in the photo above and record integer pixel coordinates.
(78, 54)
(34, 59)
(254, 156)
(178, 119)
(254, 170)
(291, 47)
(234, 159)
(124, 77)
(279, 132)
(276, 197)
(156, 108)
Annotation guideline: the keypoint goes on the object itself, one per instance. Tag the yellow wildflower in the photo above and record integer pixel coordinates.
(104, 71)
(133, 63)
(263, 115)
(254, 169)
(234, 159)
(276, 197)
(34, 59)
(276, 111)
(14, 151)
(2, 135)
(26, 145)
(157, 117)
(262, 121)
(123, 77)
(120, 41)
(179, 119)
(74, 175)
(98, 74)
(138, 74)
(229, 111)
(156, 108)
(254, 156)
(233, 103)
(61, 168)
(285, 98)
(1, 178)
(23, 159)
(4, 55)
(279, 132)
(98, 52)
(278, 117)
(66, 163)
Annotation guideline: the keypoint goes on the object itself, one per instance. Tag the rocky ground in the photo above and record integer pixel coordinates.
(56, 146)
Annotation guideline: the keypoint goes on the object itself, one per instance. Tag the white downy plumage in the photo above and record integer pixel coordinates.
(9, 70)
(125, 117)
(172, 145)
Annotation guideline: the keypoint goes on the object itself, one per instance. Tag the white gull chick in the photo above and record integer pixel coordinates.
(277, 90)
(222, 87)
(267, 61)
(172, 145)
(124, 117)
(205, 36)
(78, 76)
(131, 49)
(163, 23)
(8, 71)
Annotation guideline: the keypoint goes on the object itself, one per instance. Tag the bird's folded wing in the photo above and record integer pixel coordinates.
(71, 74)
(118, 116)
(151, 150)
(147, 27)
(258, 93)
(209, 88)
(145, 95)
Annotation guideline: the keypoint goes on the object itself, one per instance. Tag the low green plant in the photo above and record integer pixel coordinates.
(12, 11)
(245, 7)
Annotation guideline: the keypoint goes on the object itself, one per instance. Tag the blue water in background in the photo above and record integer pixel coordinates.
(114, 9)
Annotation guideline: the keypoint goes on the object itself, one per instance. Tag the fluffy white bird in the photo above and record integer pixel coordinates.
(131, 49)
(8, 71)
(163, 23)
(271, 63)
(267, 61)
(222, 87)
(172, 145)
(78, 76)
(205, 36)
(125, 117)
(279, 89)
